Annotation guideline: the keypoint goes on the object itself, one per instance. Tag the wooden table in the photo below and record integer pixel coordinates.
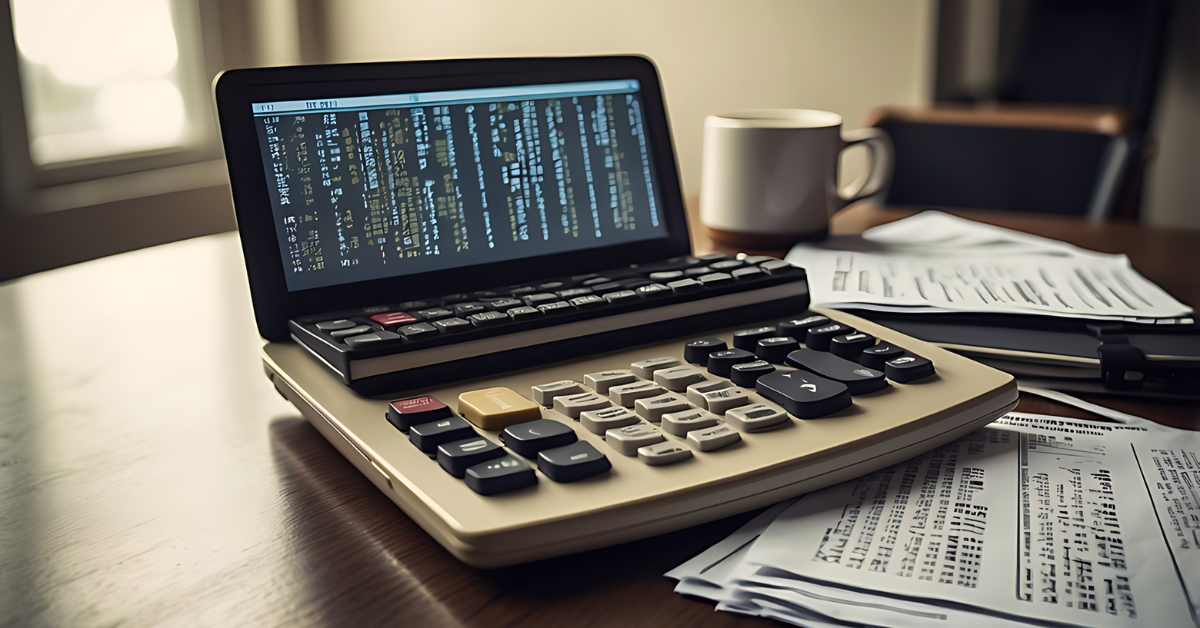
(149, 475)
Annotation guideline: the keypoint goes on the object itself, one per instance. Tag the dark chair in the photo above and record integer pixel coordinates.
(1068, 135)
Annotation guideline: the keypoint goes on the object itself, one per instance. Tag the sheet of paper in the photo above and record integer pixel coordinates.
(1172, 473)
(934, 262)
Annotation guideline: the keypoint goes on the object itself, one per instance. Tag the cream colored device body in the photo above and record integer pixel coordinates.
(635, 500)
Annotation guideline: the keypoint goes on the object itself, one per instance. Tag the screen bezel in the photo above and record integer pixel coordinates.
(274, 305)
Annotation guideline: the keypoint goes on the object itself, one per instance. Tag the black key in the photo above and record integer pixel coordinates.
(798, 327)
(622, 296)
(581, 280)
(405, 413)
(463, 310)
(500, 475)
(666, 275)
(573, 462)
(908, 368)
(698, 271)
(535, 300)
(567, 295)
(697, 351)
(596, 281)
(713, 280)
(746, 373)
(850, 346)
(551, 286)
(684, 286)
(804, 395)
(874, 357)
(558, 307)
(342, 323)
(588, 302)
(531, 437)
(489, 319)
(486, 295)
(522, 292)
(748, 338)
(417, 331)
(435, 314)
(776, 349)
(352, 331)
(524, 313)
(725, 266)
(634, 284)
(427, 436)
(720, 363)
(409, 306)
(650, 291)
(857, 378)
(758, 259)
(777, 267)
(455, 457)
(820, 338)
(713, 257)
(748, 273)
(608, 287)
(372, 340)
(451, 325)
(503, 305)
(450, 299)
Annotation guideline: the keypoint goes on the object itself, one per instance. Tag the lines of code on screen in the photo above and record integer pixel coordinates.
(366, 193)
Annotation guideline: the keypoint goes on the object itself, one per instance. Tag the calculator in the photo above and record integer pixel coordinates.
(475, 280)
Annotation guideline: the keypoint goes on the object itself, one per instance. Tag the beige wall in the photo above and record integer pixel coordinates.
(1173, 185)
(845, 56)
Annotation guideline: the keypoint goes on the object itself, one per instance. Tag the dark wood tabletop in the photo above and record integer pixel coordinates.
(149, 474)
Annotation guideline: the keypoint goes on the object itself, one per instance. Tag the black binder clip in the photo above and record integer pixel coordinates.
(1122, 365)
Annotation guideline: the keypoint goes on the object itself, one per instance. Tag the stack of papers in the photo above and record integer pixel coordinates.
(935, 262)
(1035, 520)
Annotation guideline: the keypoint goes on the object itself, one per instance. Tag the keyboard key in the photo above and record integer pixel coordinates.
(777, 267)
(455, 298)
(653, 290)
(748, 273)
(646, 368)
(455, 457)
(757, 259)
(428, 436)
(697, 351)
(697, 272)
(727, 265)
(755, 418)
(551, 286)
(665, 276)
(497, 408)
(601, 382)
(663, 453)
(820, 338)
(341, 323)
(850, 346)
(504, 305)
(626, 440)
(621, 296)
(775, 349)
(721, 401)
(588, 302)
(435, 314)
(522, 291)
(680, 423)
(714, 280)
(486, 295)
(574, 405)
(746, 373)
(573, 462)
(695, 392)
(678, 378)
(804, 395)
(747, 339)
(373, 340)
(596, 281)
(463, 310)
(524, 313)
(527, 439)
(500, 475)
(600, 421)
(608, 287)
(392, 320)
(685, 286)
(412, 306)
(798, 327)
(351, 331)
(417, 331)
(627, 394)
(713, 438)
(558, 307)
(720, 363)
(652, 408)
(874, 357)
(713, 257)
(908, 368)
(571, 293)
(859, 379)
(451, 325)
(544, 394)
(489, 319)
(405, 413)
(534, 300)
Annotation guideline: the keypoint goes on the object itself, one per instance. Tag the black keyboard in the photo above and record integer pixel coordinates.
(405, 345)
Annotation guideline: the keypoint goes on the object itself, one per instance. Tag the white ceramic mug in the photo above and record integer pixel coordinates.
(769, 176)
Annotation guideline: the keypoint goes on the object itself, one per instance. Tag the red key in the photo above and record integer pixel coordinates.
(405, 413)
(392, 320)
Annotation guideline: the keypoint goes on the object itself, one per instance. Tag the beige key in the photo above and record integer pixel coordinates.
(600, 421)
(678, 378)
(601, 382)
(497, 408)
(626, 394)
(680, 423)
(574, 405)
(721, 401)
(713, 437)
(753, 418)
(695, 392)
(663, 453)
(627, 439)
(652, 408)
(545, 393)
(645, 369)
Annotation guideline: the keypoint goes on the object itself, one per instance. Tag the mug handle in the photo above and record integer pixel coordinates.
(880, 175)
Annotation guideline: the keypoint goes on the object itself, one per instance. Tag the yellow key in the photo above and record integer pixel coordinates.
(497, 408)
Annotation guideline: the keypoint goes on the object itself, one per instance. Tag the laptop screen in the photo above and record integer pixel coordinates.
(369, 187)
